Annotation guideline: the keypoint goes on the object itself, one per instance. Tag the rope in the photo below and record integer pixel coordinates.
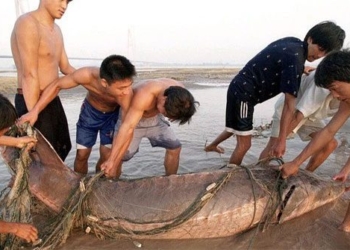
(60, 229)
(279, 185)
(202, 199)
(16, 203)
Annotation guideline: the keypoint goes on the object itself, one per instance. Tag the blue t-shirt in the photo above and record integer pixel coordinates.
(277, 68)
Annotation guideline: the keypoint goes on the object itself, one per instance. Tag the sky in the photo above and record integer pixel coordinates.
(181, 31)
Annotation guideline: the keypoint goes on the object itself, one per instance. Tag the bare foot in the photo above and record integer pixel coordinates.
(213, 148)
(344, 228)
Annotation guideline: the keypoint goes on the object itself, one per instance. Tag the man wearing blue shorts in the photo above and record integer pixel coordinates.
(277, 68)
(109, 92)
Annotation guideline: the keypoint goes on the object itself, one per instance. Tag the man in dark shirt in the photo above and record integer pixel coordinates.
(277, 68)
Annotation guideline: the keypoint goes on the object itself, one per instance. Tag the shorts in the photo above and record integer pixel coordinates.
(52, 123)
(239, 116)
(91, 122)
(306, 130)
(156, 129)
(303, 131)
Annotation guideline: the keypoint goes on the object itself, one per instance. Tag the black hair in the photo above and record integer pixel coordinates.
(334, 67)
(327, 35)
(179, 104)
(8, 114)
(116, 67)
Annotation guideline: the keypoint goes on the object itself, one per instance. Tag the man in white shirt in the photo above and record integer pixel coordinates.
(314, 104)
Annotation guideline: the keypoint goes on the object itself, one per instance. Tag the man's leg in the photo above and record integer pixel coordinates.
(265, 153)
(319, 157)
(81, 160)
(104, 154)
(345, 226)
(171, 160)
(214, 146)
(243, 145)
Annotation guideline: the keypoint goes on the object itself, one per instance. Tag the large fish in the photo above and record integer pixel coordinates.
(211, 204)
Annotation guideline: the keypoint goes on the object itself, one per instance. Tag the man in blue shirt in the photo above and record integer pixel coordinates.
(277, 68)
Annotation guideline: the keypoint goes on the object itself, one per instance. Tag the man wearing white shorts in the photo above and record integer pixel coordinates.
(156, 129)
(314, 104)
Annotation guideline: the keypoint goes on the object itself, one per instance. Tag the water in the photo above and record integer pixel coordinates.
(206, 124)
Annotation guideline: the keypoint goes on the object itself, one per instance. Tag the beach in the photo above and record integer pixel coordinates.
(316, 230)
(8, 84)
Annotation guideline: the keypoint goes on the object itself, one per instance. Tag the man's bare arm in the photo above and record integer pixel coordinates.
(121, 142)
(286, 118)
(321, 139)
(326, 134)
(296, 119)
(65, 67)
(25, 231)
(122, 139)
(78, 77)
(27, 40)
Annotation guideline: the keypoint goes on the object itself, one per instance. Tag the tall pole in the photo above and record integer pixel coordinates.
(22, 6)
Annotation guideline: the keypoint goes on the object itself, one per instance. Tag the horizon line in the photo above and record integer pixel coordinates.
(145, 62)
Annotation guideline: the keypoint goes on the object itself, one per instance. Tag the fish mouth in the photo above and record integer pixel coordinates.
(285, 201)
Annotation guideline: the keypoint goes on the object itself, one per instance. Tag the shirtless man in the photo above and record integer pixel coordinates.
(152, 100)
(38, 51)
(109, 87)
(8, 117)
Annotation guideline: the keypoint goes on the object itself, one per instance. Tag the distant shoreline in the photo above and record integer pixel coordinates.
(8, 84)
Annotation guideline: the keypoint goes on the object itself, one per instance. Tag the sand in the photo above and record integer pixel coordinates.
(8, 85)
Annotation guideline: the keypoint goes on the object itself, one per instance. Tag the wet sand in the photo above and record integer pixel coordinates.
(8, 85)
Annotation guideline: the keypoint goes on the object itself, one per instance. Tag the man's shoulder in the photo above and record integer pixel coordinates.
(289, 40)
(27, 21)
(87, 74)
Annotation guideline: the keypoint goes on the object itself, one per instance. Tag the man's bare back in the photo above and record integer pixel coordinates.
(148, 92)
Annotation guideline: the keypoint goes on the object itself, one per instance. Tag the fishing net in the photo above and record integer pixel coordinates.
(139, 209)
(16, 201)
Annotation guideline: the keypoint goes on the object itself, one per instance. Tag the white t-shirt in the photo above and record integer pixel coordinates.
(315, 103)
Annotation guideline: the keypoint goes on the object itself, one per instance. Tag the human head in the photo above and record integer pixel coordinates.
(56, 8)
(327, 36)
(116, 68)
(334, 67)
(179, 104)
(8, 114)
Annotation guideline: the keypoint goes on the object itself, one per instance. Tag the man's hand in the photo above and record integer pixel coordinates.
(30, 117)
(24, 141)
(278, 149)
(25, 231)
(110, 169)
(308, 69)
(289, 169)
(341, 176)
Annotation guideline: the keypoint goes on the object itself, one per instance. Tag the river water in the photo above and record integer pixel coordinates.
(206, 124)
